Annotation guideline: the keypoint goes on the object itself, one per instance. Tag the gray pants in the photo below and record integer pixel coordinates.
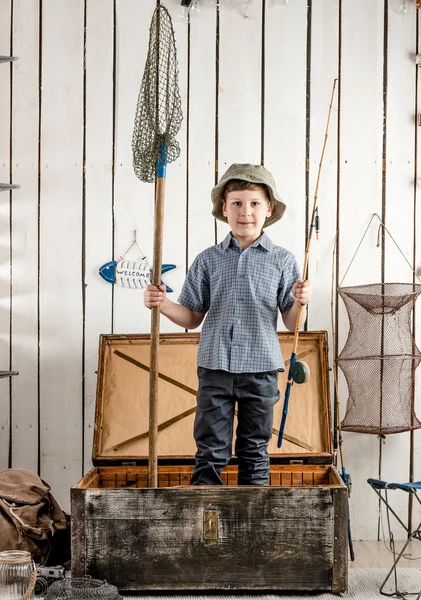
(219, 391)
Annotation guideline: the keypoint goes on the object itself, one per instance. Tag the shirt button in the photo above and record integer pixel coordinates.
(240, 299)
(239, 322)
(244, 254)
(241, 276)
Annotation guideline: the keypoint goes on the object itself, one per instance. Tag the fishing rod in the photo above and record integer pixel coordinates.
(299, 371)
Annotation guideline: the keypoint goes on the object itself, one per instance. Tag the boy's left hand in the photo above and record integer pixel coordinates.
(302, 291)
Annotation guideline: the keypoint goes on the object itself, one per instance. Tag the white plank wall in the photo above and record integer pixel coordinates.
(361, 127)
(133, 199)
(5, 308)
(25, 118)
(417, 267)
(285, 120)
(99, 196)
(92, 61)
(202, 128)
(399, 205)
(324, 71)
(61, 315)
(175, 224)
(240, 76)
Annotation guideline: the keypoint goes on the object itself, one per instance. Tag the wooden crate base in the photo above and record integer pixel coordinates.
(289, 535)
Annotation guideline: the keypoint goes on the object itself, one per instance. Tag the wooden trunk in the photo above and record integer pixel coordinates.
(289, 535)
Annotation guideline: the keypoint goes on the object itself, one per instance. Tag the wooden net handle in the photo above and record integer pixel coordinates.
(154, 349)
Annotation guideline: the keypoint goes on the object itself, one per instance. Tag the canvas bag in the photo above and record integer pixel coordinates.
(30, 516)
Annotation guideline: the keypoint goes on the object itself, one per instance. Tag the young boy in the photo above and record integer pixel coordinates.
(239, 285)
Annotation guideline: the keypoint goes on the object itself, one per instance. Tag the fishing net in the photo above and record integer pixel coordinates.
(379, 358)
(158, 113)
(82, 588)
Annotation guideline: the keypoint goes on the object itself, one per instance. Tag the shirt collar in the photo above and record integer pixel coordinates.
(264, 241)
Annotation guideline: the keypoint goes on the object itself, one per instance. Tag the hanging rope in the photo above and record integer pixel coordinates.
(391, 237)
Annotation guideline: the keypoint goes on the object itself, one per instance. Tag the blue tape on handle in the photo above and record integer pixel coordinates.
(161, 163)
(292, 361)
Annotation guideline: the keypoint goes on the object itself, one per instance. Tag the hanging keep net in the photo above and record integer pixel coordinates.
(158, 113)
(379, 358)
(82, 588)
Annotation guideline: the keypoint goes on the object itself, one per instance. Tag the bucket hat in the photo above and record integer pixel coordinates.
(254, 174)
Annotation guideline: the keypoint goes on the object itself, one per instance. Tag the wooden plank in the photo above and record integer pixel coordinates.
(175, 217)
(167, 524)
(201, 139)
(78, 533)
(91, 479)
(133, 199)
(174, 479)
(308, 478)
(324, 70)
(340, 541)
(297, 478)
(25, 119)
(285, 120)
(5, 75)
(286, 478)
(361, 128)
(399, 219)
(61, 246)
(416, 512)
(98, 196)
(185, 478)
(239, 95)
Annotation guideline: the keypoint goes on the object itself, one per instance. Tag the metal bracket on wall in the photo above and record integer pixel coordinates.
(8, 186)
(5, 59)
(8, 373)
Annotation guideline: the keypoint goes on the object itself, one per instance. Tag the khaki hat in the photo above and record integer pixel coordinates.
(254, 174)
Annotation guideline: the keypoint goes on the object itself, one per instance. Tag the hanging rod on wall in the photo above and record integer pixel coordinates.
(8, 186)
(5, 59)
(8, 373)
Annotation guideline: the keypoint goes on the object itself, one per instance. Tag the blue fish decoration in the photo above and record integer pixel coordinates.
(131, 274)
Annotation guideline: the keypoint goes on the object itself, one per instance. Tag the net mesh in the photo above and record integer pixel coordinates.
(158, 113)
(379, 358)
(82, 588)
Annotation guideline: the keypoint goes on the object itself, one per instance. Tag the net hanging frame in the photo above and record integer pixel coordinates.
(379, 365)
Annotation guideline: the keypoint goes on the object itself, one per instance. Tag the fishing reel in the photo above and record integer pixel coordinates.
(300, 372)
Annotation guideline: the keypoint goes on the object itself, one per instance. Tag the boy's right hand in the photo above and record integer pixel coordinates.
(154, 295)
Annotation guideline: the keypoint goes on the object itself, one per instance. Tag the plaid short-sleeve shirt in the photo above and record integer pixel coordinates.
(241, 291)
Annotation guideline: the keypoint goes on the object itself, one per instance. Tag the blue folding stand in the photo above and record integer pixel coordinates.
(411, 488)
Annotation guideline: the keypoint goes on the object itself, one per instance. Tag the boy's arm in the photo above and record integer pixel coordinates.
(301, 292)
(181, 315)
(177, 313)
(290, 317)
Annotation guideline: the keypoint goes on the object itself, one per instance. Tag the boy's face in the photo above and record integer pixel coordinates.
(246, 212)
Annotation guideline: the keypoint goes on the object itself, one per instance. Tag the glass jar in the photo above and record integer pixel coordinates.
(17, 575)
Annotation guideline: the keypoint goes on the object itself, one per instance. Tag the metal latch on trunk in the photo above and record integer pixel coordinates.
(210, 524)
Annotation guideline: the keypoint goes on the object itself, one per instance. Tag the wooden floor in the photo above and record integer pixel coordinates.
(375, 555)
